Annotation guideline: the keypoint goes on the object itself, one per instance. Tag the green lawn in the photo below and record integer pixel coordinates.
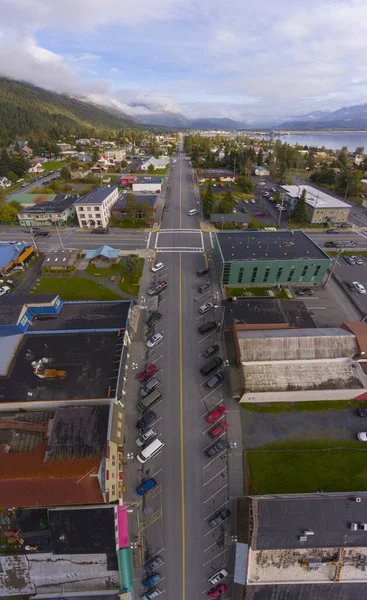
(105, 271)
(75, 288)
(322, 406)
(307, 466)
(52, 165)
(125, 282)
(137, 224)
(257, 291)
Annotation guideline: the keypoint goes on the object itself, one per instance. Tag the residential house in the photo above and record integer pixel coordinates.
(82, 142)
(221, 174)
(59, 210)
(148, 184)
(220, 154)
(321, 207)
(94, 209)
(27, 151)
(64, 147)
(262, 172)
(128, 180)
(36, 169)
(358, 160)
(119, 210)
(115, 154)
(157, 163)
(5, 182)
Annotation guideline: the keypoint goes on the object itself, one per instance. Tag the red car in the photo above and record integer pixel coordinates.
(147, 373)
(218, 429)
(261, 214)
(217, 591)
(215, 414)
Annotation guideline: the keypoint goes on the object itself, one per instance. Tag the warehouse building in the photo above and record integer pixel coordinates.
(321, 207)
(266, 258)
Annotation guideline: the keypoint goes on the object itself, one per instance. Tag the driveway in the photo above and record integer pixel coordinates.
(259, 429)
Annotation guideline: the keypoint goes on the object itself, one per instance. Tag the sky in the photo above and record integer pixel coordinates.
(246, 60)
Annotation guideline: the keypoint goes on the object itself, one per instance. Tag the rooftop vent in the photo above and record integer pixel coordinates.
(302, 538)
(353, 526)
(358, 499)
(308, 532)
(363, 526)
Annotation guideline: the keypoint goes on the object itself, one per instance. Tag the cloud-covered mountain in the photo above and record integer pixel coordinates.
(168, 119)
(347, 117)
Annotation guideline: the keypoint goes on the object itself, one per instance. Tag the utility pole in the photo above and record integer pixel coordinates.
(341, 250)
(280, 213)
(34, 242)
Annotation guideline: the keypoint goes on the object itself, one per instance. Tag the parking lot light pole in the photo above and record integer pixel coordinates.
(333, 267)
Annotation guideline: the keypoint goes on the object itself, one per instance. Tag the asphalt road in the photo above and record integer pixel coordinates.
(40, 181)
(192, 485)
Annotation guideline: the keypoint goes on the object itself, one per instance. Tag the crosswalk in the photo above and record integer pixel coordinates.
(194, 235)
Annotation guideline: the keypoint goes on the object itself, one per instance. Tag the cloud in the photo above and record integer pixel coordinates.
(87, 56)
(114, 70)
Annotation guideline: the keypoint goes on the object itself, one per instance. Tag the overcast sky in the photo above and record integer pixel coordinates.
(247, 60)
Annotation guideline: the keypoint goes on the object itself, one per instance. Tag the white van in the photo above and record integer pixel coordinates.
(192, 212)
(151, 450)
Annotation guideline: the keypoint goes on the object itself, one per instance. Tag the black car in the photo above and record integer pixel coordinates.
(215, 380)
(219, 517)
(100, 230)
(304, 292)
(202, 272)
(146, 420)
(332, 231)
(154, 318)
(206, 327)
(211, 366)
(362, 412)
(211, 350)
(41, 234)
(204, 288)
(217, 447)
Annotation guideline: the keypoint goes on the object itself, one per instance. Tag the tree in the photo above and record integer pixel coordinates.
(260, 158)
(146, 210)
(245, 184)
(131, 206)
(208, 201)
(5, 163)
(349, 183)
(151, 169)
(227, 204)
(359, 150)
(343, 156)
(65, 173)
(12, 177)
(9, 211)
(130, 266)
(300, 215)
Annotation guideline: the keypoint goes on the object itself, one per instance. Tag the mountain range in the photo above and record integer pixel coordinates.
(347, 117)
(169, 119)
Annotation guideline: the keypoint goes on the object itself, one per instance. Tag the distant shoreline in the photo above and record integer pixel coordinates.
(318, 131)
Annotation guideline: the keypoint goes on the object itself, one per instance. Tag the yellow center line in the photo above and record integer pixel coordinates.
(182, 457)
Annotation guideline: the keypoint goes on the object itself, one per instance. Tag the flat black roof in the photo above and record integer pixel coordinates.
(90, 361)
(261, 311)
(78, 432)
(84, 315)
(312, 591)
(57, 205)
(121, 203)
(277, 523)
(268, 245)
(12, 304)
(82, 531)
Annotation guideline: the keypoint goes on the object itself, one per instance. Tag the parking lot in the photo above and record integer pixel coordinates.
(349, 273)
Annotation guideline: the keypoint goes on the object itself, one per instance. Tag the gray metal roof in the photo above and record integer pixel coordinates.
(312, 591)
(230, 218)
(96, 196)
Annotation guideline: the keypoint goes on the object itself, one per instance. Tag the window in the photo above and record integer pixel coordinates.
(226, 273)
(82, 216)
(81, 208)
(279, 273)
(291, 273)
(90, 216)
(266, 276)
(254, 274)
(305, 269)
(240, 275)
(317, 270)
(89, 208)
(83, 222)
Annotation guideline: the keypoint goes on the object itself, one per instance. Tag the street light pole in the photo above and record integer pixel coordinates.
(333, 267)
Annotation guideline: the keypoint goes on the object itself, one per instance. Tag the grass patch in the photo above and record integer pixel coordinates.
(52, 165)
(345, 250)
(130, 284)
(308, 466)
(239, 291)
(125, 224)
(282, 294)
(75, 288)
(116, 269)
(322, 406)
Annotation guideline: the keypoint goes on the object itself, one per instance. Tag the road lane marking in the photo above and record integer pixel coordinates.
(217, 492)
(213, 544)
(206, 337)
(216, 458)
(182, 456)
(216, 475)
(209, 561)
(212, 392)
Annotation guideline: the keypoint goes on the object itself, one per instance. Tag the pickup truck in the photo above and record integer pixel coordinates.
(157, 288)
(343, 244)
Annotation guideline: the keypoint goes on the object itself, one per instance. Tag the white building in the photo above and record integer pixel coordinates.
(94, 209)
(115, 154)
(37, 168)
(83, 141)
(321, 207)
(158, 163)
(148, 184)
(4, 182)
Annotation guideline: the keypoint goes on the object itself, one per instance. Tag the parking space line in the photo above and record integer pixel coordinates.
(213, 424)
(217, 456)
(205, 338)
(217, 404)
(217, 437)
(216, 475)
(215, 390)
(153, 555)
(156, 473)
(202, 295)
(209, 561)
(213, 544)
(217, 492)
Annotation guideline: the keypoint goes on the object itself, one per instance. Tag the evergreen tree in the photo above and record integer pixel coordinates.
(227, 204)
(208, 201)
(300, 215)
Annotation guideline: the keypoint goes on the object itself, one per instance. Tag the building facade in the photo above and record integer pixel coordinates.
(148, 184)
(60, 211)
(94, 209)
(321, 207)
(263, 258)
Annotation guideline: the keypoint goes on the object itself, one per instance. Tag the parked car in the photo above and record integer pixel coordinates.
(215, 380)
(152, 594)
(261, 214)
(211, 366)
(330, 245)
(357, 259)
(355, 286)
(204, 308)
(43, 234)
(362, 412)
(100, 230)
(149, 387)
(154, 340)
(265, 194)
(157, 267)
(274, 190)
(214, 449)
(218, 429)
(154, 564)
(5, 289)
(215, 414)
(157, 288)
(362, 436)
(151, 579)
(146, 420)
(211, 350)
(304, 292)
(202, 272)
(349, 260)
(204, 288)
(206, 327)
(146, 486)
(219, 517)
(12, 282)
(332, 231)
(217, 591)
(147, 373)
(149, 434)
(218, 576)
(154, 318)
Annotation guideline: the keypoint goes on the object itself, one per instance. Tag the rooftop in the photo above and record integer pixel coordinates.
(84, 315)
(86, 531)
(277, 522)
(60, 258)
(121, 203)
(266, 311)
(314, 197)
(149, 179)
(96, 196)
(30, 199)
(310, 591)
(230, 218)
(86, 362)
(268, 245)
(104, 250)
(57, 205)
(10, 252)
